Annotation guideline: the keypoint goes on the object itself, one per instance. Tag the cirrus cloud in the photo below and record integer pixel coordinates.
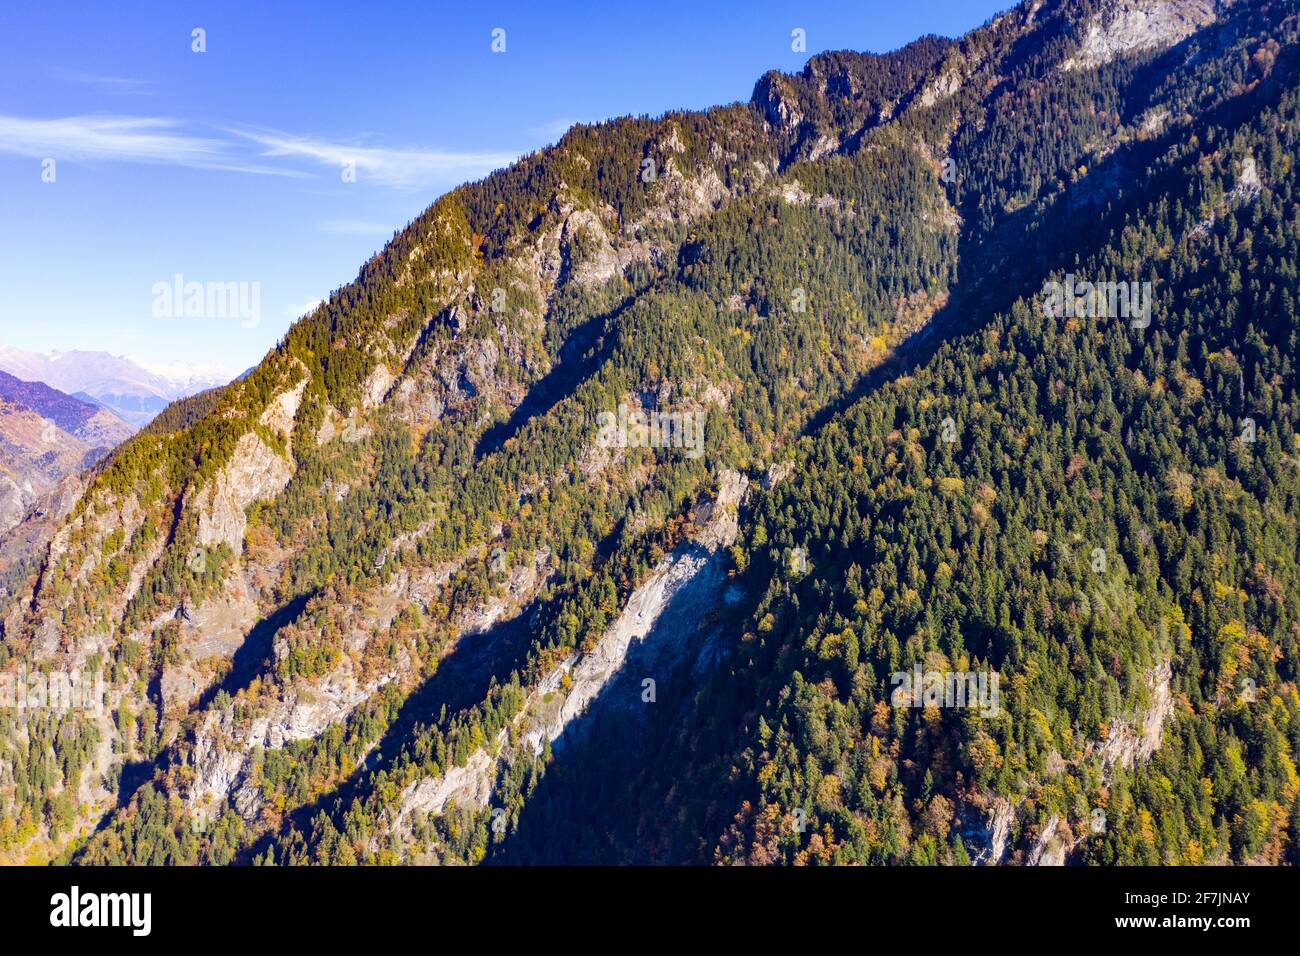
(139, 139)
(389, 167)
(164, 141)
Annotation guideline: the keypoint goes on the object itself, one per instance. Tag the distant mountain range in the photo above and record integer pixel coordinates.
(131, 390)
(45, 436)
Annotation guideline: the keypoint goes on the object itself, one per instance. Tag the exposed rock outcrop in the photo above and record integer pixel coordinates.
(1126, 744)
(255, 472)
(671, 602)
(1051, 845)
(1131, 26)
(281, 409)
(30, 534)
(944, 85)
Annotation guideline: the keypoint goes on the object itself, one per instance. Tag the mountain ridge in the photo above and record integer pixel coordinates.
(117, 382)
(45, 437)
(411, 481)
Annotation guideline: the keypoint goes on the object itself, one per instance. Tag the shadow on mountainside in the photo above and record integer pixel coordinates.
(581, 810)
(463, 679)
(610, 793)
(584, 351)
(256, 654)
(1013, 259)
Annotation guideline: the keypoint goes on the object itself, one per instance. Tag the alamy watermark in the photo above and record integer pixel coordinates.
(134, 911)
(58, 691)
(974, 690)
(636, 428)
(179, 299)
(1098, 300)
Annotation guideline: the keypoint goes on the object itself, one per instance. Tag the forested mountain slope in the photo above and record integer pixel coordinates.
(46, 436)
(396, 596)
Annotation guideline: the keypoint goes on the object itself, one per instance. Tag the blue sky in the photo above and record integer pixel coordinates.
(227, 165)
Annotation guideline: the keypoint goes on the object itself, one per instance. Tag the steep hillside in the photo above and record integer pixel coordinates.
(46, 435)
(595, 521)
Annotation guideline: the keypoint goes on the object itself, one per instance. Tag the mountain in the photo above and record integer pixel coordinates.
(132, 391)
(46, 435)
(902, 466)
(89, 423)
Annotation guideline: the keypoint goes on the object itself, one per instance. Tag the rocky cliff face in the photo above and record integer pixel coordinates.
(1131, 741)
(256, 472)
(1131, 26)
(31, 533)
(294, 574)
(658, 625)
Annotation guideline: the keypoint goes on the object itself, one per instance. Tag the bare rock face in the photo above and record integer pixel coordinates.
(1127, 744)
(217, 627)
(214, 629)
(777, 472)
(39, 522)
(222, 756)
(793, 194)
(302, 709)
(778, 103)
(1133, 25)
(179, 686)
(588, 258)
(575, 246)
(1245, 190)
(448, 377)
(1000, 819)
(16, 496)
(255, 472)
(1248, 183)
(588, 676)
(303, 713)
(376, 385)
(685, 585)
(944, 85)
(470, 785)
(1050, 847)
(217, 766)
(686, 197)
(280, 410)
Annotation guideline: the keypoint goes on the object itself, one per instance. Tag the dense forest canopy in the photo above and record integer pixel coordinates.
(388, 650)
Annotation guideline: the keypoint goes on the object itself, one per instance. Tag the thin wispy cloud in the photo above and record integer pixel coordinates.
(137, 139)
(110, 84)
(160, 140)
(388, 167)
